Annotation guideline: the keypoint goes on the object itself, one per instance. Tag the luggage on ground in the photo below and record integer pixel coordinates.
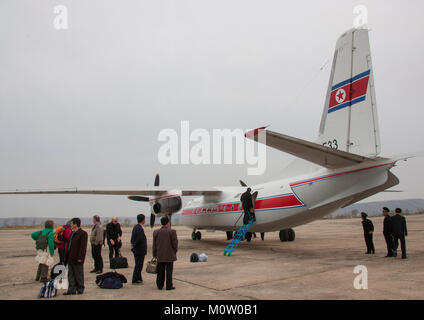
(48, 290)
(111, 280)
(194, 257)
(119, 262)
(203, 257)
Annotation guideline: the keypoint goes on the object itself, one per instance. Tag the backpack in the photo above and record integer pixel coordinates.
(59, 235)
(48, 290)
(194, 257)
(42, 242)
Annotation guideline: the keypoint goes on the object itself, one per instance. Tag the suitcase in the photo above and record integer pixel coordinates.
(119, 263)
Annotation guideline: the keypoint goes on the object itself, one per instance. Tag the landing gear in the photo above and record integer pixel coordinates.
(196, 235)
(287, 235)
(248, 236)
(292, 235)
(229, 235)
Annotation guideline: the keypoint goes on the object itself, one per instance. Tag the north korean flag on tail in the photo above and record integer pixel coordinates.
(349, 92)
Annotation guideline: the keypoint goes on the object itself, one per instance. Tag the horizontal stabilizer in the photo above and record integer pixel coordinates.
(310, 151)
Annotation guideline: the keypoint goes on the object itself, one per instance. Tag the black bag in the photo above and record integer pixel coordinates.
(194, 257)
(118, 263)
(110, 280)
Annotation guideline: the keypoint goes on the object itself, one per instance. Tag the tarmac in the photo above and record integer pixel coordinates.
(319, 264)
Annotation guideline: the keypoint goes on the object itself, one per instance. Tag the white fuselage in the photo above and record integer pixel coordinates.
(287, 203)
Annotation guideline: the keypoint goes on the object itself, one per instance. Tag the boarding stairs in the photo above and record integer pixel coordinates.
(238, 238)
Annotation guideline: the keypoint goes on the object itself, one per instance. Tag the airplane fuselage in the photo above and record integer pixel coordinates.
(287, 203)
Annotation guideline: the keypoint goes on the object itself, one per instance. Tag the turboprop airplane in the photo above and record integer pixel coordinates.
(344, 164)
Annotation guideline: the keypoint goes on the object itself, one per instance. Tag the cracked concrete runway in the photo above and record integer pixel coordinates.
(319, 264)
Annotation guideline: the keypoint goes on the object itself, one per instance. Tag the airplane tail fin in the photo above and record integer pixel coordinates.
(349, 121)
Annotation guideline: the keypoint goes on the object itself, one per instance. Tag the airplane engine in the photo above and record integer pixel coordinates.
(166, 206)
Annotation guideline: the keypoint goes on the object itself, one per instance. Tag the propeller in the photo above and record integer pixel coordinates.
(242, 183)
(152, 215)
(138, 198)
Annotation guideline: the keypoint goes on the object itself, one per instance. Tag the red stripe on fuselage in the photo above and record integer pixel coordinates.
(283, 201)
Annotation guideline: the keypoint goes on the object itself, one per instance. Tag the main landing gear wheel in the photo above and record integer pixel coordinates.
(229, 235)
(196, 235)
(292, 235)
(248, 236)
(287, 235)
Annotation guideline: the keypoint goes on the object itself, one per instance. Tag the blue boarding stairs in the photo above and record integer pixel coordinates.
(238, 237)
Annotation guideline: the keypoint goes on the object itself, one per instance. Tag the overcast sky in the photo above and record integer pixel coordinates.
(84, 106)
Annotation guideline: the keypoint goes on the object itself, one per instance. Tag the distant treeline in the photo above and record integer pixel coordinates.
(374, 209)
(39, 221)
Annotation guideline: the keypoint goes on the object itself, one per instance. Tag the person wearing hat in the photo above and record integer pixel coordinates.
(368, 233)
(387, 232)
(399, 232)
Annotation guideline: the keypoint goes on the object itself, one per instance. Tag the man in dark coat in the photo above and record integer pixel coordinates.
(246, 200)
(387, 232)
(77, 249)
(399, 232)
(139, 248)
(368, 233)
(165, 247)
(113, 235)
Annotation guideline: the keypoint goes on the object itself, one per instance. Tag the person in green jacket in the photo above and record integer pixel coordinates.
(44, 243)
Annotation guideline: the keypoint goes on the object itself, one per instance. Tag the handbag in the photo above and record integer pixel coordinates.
(119, 262)
(152, 266)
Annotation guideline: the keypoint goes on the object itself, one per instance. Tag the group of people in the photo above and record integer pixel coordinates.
(394, 230)
(71, 242)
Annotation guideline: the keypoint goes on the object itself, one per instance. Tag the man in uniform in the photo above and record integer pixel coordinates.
(399, 232)
(368, 233)
(387, 232)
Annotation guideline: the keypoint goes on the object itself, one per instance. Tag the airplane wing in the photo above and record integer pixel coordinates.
(310, 151)
(152, 191)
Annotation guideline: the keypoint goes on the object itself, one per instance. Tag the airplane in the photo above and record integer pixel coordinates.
(340, 168)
